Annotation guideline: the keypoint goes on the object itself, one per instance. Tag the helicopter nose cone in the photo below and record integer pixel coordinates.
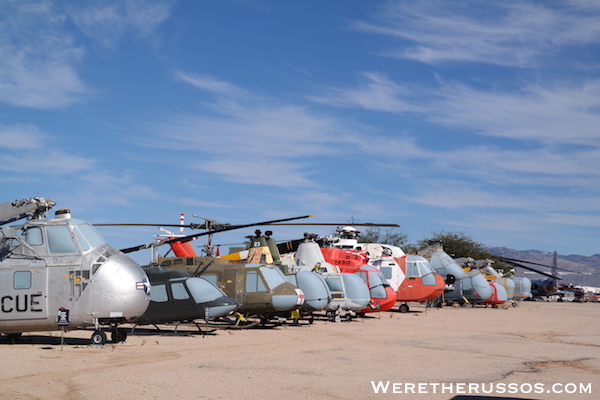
(316, 291)
(455, 270)
(121, 289)
(501, 293)
(357, 292)
(481, 287)
(445, 265)
(222, 307)
(284, 302)
(212, 299)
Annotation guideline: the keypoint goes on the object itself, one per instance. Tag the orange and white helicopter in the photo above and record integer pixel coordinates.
(410, 276)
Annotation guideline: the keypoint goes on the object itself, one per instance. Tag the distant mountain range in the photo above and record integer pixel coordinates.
(584, 271)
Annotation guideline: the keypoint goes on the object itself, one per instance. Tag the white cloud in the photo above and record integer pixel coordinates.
(525, 166)
(20, 137)
(249, 139)
(516, 34)
(39, 58)
(107, 21)
(102, 186)
(211, 84)
(553, 114)
(376, 92)
(44, 162)
(465, 194)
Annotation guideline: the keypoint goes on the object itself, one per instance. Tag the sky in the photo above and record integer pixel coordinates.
(475, 117)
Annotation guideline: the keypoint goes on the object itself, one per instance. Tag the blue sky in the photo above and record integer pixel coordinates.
(475, 117)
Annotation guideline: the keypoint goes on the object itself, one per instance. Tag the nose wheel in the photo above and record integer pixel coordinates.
(98, 337)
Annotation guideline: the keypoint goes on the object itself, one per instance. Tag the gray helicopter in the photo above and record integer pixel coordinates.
(349, 292)
(60, 274)
(461, 287)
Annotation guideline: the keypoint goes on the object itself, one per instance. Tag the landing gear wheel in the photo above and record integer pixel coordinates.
(118, 335)
(98, 337)
(403, 308)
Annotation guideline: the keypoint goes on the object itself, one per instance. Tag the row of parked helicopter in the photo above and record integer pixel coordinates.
(59, 272)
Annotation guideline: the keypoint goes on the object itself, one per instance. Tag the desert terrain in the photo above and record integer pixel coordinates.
(527, 352)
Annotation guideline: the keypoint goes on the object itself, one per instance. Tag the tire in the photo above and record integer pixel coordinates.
(403, 308)
(118, 335)
(98, 337)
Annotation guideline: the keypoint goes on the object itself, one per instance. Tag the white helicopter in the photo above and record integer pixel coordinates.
(60, 274)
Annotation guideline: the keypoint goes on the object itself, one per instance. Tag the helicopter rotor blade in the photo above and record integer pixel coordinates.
(518, 265)
(205, 226)
(334, 224)
(192, 237)
(191, 226)
(506, 259)
(523, 261)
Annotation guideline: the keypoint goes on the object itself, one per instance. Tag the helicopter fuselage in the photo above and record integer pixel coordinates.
(260, 288)
(63, 267)
(179, 297)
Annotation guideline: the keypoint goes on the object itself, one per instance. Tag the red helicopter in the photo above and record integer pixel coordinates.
(410, 276)
(383, 296)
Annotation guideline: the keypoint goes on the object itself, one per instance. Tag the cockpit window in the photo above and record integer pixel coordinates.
(32, 236)
(60, 240)
(273, 276)
(159, 293)
(426, 268)
(412, 270)
(86, 233)
(254, 283)
(387, 272)
(376, 278)
(179, 292)
(82, 242)
(377, 285)
(203, 291)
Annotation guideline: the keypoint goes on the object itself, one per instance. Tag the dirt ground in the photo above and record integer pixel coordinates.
(536, 350)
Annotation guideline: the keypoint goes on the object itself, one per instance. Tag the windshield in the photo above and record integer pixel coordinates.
(377, 285)
(203, 291)
(60, 240)
(86, 234)
(426, 267)
(376, 278)
(273, 276)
